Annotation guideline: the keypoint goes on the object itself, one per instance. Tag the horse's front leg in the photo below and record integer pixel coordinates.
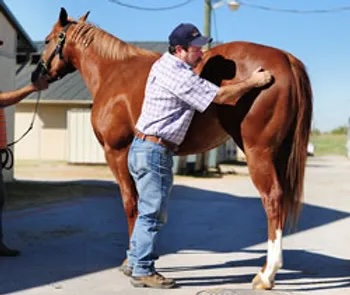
(265, 178)
(118, 163)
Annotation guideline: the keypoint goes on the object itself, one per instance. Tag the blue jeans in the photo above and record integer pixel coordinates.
(150, 165)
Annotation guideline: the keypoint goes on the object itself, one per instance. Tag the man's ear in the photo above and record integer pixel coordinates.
(178, 48)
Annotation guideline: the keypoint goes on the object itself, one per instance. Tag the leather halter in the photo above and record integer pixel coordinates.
(43, 68)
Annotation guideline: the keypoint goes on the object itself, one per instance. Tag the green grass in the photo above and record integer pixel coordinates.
(329, 144)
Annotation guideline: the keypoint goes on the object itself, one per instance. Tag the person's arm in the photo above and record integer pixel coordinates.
(12, 97)
(230, 94)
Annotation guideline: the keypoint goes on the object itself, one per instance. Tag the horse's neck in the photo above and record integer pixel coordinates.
(97, 55)
(88, 69)
(91, 66)
(95, 67)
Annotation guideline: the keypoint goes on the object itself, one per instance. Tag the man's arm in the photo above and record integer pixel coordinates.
(12, 97)
(230, 94)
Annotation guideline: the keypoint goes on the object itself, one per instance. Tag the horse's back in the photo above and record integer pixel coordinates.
(248, 56)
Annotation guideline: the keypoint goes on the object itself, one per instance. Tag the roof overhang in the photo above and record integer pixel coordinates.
(47, 101)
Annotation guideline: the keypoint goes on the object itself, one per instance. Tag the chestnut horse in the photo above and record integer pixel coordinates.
(271, 125)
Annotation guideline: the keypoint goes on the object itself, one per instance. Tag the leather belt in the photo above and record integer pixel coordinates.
(156, 139)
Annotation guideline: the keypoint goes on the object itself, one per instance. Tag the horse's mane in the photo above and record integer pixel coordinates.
(105, 44)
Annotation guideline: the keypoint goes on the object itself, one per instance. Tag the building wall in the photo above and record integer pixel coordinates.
(63, 132)
(83, 146)
(348, 141)
(48, 140)
(7, 75)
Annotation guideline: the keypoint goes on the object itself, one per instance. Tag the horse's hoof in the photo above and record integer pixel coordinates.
(259, 284)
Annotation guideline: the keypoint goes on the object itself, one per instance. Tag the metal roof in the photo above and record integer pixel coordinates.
(71, 88)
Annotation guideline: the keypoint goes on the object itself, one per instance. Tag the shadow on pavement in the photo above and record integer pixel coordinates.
(312, 268)
(87, 235)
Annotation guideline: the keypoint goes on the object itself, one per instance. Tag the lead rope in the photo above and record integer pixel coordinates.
(6, 155)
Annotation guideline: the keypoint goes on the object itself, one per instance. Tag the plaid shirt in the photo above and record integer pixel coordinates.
(173, 93)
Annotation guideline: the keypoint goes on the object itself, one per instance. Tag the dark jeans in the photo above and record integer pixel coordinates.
(2, 200)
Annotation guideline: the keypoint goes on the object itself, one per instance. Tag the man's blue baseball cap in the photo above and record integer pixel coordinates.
(187, 34)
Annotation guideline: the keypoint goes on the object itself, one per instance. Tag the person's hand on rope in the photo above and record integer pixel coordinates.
(41, 83)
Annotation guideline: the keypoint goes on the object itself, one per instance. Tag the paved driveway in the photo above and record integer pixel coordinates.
(215, 238)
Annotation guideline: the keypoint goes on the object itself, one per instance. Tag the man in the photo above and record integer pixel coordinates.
(7, 99)
(173, 93)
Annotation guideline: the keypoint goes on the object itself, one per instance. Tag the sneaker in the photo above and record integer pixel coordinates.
(155, 280)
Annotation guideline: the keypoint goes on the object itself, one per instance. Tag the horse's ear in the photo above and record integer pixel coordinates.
(63, 17)
(84, 17)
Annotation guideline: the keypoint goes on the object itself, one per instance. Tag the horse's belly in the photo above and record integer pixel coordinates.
(205, 133)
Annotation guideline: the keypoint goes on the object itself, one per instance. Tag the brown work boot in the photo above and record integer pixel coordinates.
(155, 280)
(126, 269)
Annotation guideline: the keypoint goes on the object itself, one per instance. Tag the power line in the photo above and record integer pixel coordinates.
(151, 8)
(240, 2)
(300, 11)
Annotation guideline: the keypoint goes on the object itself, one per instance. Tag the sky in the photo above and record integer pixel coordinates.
(320, 39)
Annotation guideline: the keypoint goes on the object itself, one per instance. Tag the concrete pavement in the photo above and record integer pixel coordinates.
(214, 242)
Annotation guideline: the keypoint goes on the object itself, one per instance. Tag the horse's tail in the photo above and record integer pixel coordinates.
(298, 141)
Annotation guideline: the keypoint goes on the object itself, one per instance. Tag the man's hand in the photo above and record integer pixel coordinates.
(260, 77)
(41, 84)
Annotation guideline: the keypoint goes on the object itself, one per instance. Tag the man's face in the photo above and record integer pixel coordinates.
(193, 55)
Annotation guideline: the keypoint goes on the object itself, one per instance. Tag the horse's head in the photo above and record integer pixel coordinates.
(55, 62)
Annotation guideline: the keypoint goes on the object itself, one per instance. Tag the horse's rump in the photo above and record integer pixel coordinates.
(277, 119)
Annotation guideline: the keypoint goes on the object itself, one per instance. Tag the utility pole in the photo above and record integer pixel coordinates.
(202, 159)
(207, 20)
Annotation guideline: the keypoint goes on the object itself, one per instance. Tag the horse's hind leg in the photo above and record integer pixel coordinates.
(264, 176)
